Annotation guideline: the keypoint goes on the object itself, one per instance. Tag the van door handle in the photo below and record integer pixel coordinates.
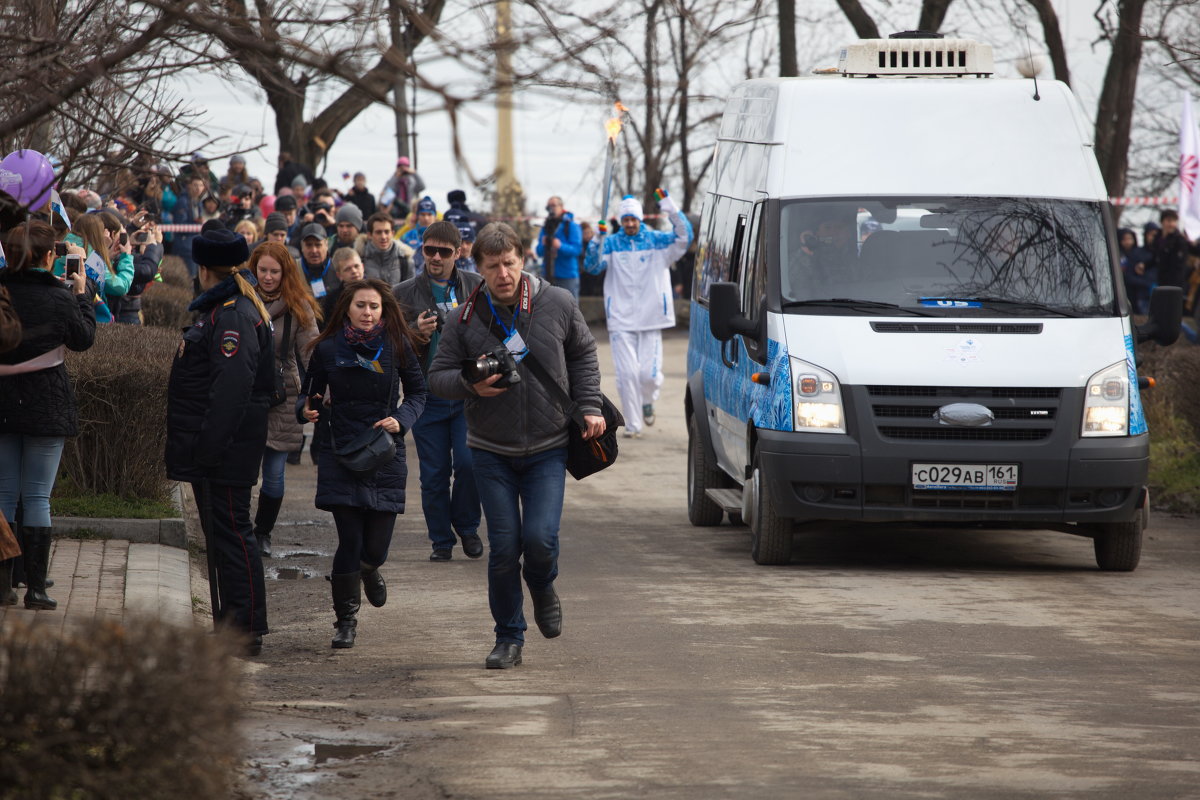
(730, 360)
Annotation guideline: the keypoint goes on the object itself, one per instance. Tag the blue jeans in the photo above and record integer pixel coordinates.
(28, 467)
(522, 500)
(570, 284)
(273, 464)
(441, 437)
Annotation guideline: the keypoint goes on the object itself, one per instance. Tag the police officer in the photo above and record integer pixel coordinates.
(217, 401)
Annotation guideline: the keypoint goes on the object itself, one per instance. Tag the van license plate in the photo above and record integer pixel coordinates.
(981, 477)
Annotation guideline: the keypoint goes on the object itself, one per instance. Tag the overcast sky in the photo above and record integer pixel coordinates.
(559, 144)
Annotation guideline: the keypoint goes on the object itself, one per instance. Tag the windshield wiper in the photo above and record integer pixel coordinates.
(857, 305)
(1015, 305)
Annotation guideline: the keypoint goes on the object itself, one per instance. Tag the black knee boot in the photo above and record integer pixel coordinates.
(37, 563)
(373, 585)
(8, 597)
(347, 597)
(264, 521)
(17, 580)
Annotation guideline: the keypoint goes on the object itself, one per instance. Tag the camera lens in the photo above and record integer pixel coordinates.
(478, 369)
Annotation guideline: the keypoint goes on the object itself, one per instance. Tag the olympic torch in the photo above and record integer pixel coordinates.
(613, 127)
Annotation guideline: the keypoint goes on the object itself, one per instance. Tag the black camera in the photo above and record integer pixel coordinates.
(441, 318)
(498, 362)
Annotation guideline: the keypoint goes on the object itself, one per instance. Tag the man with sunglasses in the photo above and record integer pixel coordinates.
(441, 431)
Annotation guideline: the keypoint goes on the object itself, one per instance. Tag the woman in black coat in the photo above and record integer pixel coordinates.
(363, 359)
(37, 403)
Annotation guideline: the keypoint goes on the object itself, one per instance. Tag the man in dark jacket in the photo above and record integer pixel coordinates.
(217, 401)
(516, 429)
(316, 266)
(441, 432)
(459, 212)
(1171, 252)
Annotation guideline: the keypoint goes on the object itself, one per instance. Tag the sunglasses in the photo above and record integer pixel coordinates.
(432, 250)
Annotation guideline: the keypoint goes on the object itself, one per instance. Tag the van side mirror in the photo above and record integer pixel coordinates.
(1166, 316)
(725, 318)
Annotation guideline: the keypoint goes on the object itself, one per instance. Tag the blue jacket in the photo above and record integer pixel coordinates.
(359, 398)
(566, 261)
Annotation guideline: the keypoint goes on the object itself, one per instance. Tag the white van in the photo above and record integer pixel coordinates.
(907, 307)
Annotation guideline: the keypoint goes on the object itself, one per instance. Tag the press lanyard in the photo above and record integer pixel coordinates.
(373, 364)
(516, 312)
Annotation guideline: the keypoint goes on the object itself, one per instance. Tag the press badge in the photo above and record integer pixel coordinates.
(318, 288)
(516, 345)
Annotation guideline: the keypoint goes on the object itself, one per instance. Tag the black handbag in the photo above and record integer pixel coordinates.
(584, 456)
(279, 391)
(363, 455)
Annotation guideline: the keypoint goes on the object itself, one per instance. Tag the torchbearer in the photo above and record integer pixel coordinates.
(639, 303)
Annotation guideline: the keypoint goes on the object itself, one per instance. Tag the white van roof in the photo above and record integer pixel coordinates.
(842, 136)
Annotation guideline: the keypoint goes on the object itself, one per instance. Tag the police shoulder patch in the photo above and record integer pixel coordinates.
(230, 341)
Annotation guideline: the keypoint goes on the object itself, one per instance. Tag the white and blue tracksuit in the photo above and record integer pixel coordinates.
(638, 303)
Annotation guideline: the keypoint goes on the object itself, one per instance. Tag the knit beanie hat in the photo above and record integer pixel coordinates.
(352, 214)
(426, 205)
(220, 247)
(630, 207)
(275, 222)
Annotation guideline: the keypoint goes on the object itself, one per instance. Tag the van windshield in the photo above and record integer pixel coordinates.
(986, 256)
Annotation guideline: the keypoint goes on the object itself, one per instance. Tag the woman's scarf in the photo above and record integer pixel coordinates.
(355, 336)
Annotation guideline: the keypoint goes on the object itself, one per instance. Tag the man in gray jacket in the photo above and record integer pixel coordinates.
(516, 429)
(441, 432)
(383, 256)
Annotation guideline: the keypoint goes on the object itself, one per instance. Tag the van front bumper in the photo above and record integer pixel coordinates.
(814, 476)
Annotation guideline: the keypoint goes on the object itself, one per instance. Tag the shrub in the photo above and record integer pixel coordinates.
(121, 390)
(107, 711)
(165, 303)
(1173, 415)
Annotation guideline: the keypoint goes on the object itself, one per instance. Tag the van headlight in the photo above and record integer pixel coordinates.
(1106, 402)
(818, 399)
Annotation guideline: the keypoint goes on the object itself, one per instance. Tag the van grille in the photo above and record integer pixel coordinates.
(957, 327)
(1021, 414)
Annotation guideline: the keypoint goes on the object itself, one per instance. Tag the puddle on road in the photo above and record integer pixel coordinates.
(326, 752)
(300, 554)
(288, 573)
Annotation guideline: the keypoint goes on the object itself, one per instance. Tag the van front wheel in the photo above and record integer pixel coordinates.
(770, 534)
(1118, 545)
(702, 474)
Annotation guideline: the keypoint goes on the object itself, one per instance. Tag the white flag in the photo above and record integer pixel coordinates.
(56, 204)
(1189, 172)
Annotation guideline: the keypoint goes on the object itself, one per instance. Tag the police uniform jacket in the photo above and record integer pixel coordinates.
(360, 398)
(219, 391)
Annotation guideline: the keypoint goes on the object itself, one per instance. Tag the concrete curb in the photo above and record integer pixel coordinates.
(171, 532)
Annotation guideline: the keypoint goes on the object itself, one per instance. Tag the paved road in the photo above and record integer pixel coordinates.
(879, 663)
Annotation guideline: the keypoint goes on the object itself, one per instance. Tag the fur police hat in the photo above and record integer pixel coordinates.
(220, 248)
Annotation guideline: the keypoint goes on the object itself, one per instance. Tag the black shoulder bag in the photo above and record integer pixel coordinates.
(363, 455)
(279, 392)
(584, 456)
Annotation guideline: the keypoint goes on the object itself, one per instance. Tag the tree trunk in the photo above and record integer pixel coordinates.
(684, 150)
(1114, 112)
(787, 39)
(933, 14)
(864, 26)
(400, 83)
(650, 165)
(1052, 36)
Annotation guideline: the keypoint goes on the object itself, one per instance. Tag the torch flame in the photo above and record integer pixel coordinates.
(613, 125)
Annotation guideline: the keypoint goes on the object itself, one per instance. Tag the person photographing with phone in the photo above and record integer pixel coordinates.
(146, 247)
(37, 402)
(441, 433)
(516, 428)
